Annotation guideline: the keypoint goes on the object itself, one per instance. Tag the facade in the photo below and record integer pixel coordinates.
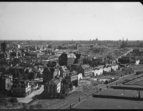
(21, 88)
(6, 82)
(52, 88)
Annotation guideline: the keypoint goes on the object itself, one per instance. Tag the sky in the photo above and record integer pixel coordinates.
(71, 20)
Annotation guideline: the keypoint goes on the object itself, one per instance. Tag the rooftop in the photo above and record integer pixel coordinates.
(103, 103)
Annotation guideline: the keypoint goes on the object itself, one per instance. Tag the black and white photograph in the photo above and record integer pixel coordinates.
(71, 55)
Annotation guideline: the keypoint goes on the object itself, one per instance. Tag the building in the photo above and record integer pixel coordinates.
(80, 76)
(50, 73)
(86, 70)
(97, 71)
(52, 88)
(21, 88)
(115, 67)
(67, 59)
(63, 71)
(74, 78)
(6, 82)
(107, 69)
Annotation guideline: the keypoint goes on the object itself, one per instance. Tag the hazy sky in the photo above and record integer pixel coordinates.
(71, 20)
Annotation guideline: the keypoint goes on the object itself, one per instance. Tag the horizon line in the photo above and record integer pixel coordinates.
(67, 40)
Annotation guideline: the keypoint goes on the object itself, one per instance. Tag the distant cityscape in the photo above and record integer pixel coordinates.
(65, 73)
